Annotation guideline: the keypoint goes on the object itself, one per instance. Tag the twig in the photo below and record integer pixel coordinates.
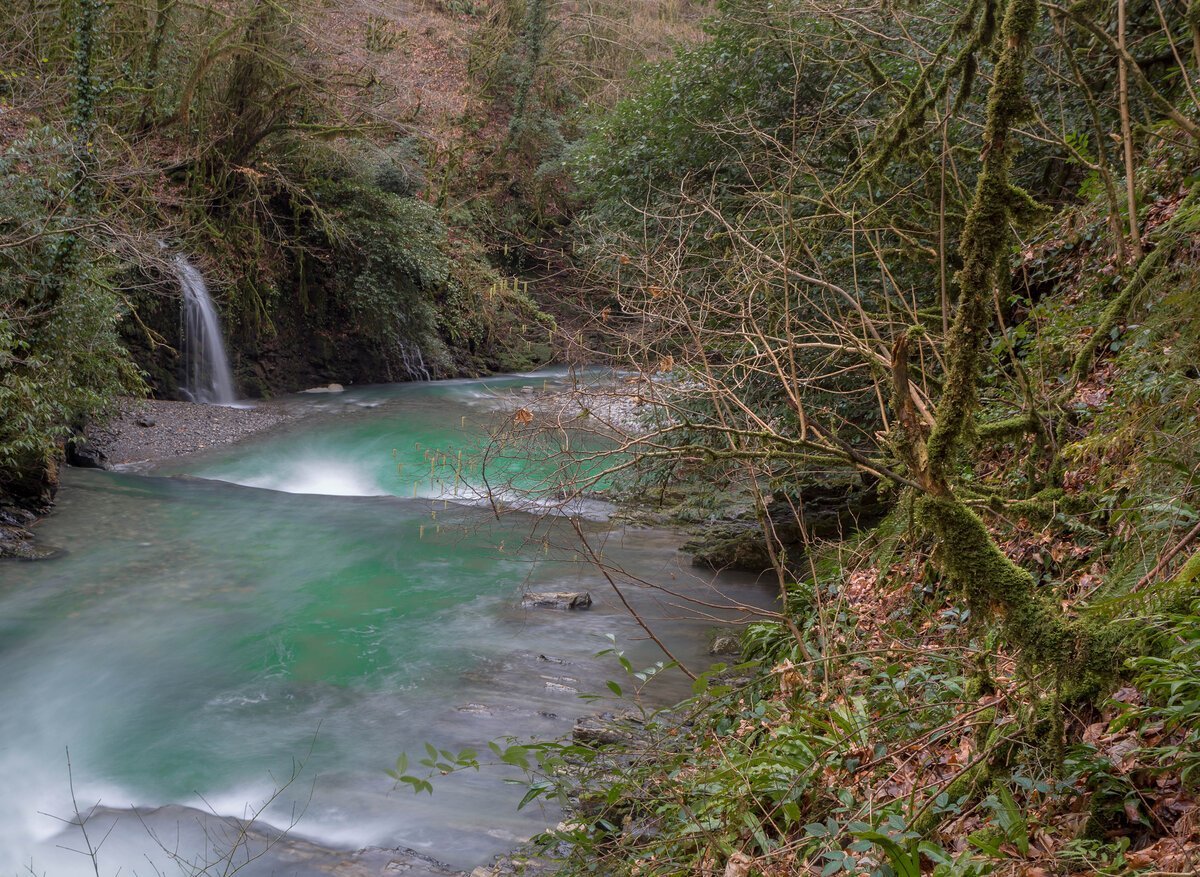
(1167, 558)
(636, 617)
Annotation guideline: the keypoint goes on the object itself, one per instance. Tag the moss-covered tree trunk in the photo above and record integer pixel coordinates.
(1031, 620)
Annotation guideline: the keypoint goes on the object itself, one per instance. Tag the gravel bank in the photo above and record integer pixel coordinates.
(146, 430)
(624, 408)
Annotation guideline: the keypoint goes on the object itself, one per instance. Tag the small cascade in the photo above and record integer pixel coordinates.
(207, 377)
(413, 362)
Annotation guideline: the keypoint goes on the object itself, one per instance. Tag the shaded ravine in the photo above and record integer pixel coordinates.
(200, 635)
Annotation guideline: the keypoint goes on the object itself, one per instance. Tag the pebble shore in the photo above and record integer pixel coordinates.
(146, 430)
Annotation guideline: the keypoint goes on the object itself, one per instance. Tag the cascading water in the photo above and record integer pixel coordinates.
(207, 376)
(413, 362)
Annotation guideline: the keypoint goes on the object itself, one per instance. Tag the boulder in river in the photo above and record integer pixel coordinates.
(608, 729)
(726, 644)
(86, 455)
(557, 600)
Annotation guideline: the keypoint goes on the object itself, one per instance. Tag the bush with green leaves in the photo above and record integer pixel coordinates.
(1171, 682)
(389, 254)
(61, 359)
(392, 271)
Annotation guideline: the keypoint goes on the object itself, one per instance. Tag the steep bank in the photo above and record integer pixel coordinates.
(958, 259)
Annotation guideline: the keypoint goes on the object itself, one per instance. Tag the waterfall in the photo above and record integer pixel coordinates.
(413, 362)
(207, 377)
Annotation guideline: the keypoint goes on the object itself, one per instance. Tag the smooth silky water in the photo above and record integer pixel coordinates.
(313, 595)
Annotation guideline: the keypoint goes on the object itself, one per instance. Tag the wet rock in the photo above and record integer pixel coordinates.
(85, 455)
(607, 729)
(557, 600)
(328, 388)
(16, 541)
(831, 508)
(726, 644)
(16, 517)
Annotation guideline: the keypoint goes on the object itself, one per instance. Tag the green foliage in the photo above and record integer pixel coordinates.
(755, 196)
(60, 356)
(390, 254)
(746, 767)
(704, 117)
(1171, 682)
(1096, 856)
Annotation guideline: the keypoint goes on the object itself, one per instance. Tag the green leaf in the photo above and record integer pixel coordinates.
(516, 756)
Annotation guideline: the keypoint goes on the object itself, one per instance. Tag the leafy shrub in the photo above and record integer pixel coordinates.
(60, 356)
(390, 254)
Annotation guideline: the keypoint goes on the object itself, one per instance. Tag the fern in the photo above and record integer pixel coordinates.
(1156, 599)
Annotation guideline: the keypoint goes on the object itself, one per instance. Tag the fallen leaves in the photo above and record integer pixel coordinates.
(738, 865)
(1170, 855)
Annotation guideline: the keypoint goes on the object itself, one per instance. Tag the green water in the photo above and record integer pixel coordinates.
(288, 598)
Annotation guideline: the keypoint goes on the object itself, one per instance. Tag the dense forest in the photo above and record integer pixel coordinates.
(910, 293)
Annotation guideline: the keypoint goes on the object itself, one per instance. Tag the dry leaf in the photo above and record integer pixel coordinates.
(738, 865)
(791, 680)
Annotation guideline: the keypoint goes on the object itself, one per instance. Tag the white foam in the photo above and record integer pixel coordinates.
(38, 820)
(315, 477)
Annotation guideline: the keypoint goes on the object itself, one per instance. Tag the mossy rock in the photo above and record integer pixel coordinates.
(833, 508)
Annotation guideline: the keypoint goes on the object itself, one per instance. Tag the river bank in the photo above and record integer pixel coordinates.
(141, 432)
(149, 430)
(152, 430)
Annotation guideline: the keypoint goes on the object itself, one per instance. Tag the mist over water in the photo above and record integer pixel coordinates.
(288, 601)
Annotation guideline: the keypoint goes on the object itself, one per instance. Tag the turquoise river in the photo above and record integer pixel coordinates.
(310, 602)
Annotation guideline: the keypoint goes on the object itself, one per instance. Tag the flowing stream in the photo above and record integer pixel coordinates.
(312, 596)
